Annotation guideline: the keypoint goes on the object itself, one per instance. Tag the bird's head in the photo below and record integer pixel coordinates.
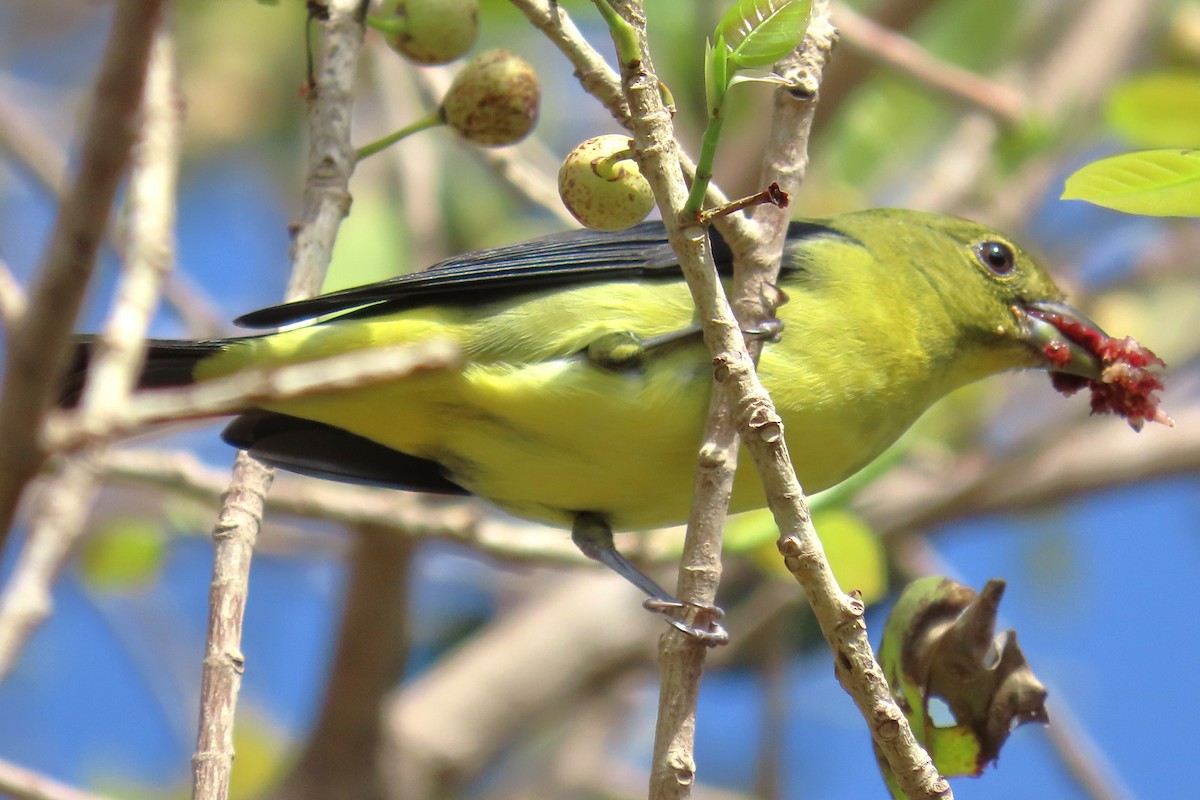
(1007, 312)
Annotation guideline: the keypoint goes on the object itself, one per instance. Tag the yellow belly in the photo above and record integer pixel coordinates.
(544, 441)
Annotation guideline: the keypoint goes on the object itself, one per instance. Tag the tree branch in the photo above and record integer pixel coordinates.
(599, 80)
(839, 615)
(326, 203)
(12, 300)
(449, 723)
(1005, 104)
(221, 673)
(403, 515)
(342, 754)
(35, 150)
(68, 430)
(19, 783)
(64, 503)
(37, 348)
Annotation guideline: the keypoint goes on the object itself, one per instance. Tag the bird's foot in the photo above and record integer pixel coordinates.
(767, 330)
(593, 536)
(698, 620)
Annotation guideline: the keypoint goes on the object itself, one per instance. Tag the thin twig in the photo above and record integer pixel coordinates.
(12, 299)
(1005, 104)
(30, 147)
(839, 615)
(772, 195)
(326, 203)
(37, 348)
(340, 757)
(593, 72)
(19, 783)
(682, 656)
(785, 163)
(330, 151)
(37, 153)
(757, 260)
(67, 430)
(120, 349)
(27, 601)
(402, 514)
(599, 80)
(62, 507)
(221, 676)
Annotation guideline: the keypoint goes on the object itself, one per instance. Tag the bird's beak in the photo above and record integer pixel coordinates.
(1066, 338)
(1120, 373)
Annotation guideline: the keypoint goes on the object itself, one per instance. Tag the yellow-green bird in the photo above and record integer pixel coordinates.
(553, 416)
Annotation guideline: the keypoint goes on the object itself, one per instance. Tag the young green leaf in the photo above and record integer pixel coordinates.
(1159, 183)
(1157, 110)
(760, 32)
(758, 76)
(716, 74)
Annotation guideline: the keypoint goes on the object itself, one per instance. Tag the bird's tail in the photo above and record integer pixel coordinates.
(168, 363)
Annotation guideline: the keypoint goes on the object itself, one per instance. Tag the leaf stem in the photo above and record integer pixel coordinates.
(371, 149)
(704, 165)
(606, 167)
(623, 35)
(388, 27)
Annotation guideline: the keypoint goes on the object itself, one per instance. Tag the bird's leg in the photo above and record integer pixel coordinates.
(593, 536)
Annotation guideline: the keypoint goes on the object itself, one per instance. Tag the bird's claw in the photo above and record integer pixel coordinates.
(700, 621)
(768, 330)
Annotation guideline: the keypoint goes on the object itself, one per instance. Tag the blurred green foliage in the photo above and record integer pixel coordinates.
(123, 554)
(1158, 109)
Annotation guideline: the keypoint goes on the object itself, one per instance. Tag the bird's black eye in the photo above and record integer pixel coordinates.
(997, 257)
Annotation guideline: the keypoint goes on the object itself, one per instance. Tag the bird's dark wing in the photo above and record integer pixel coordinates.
(323, 451)
(574, 257)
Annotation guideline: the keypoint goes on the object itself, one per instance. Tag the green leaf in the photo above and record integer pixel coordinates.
(760, 32)
(758, 76)
(124, 555)
(1159, 183)
(853, 549)
(1158, 110)
(370, 246)
(716, 75)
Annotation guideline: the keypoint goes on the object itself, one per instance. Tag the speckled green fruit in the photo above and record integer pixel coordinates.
(600, 189)
(494, 99)
(431, 31)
